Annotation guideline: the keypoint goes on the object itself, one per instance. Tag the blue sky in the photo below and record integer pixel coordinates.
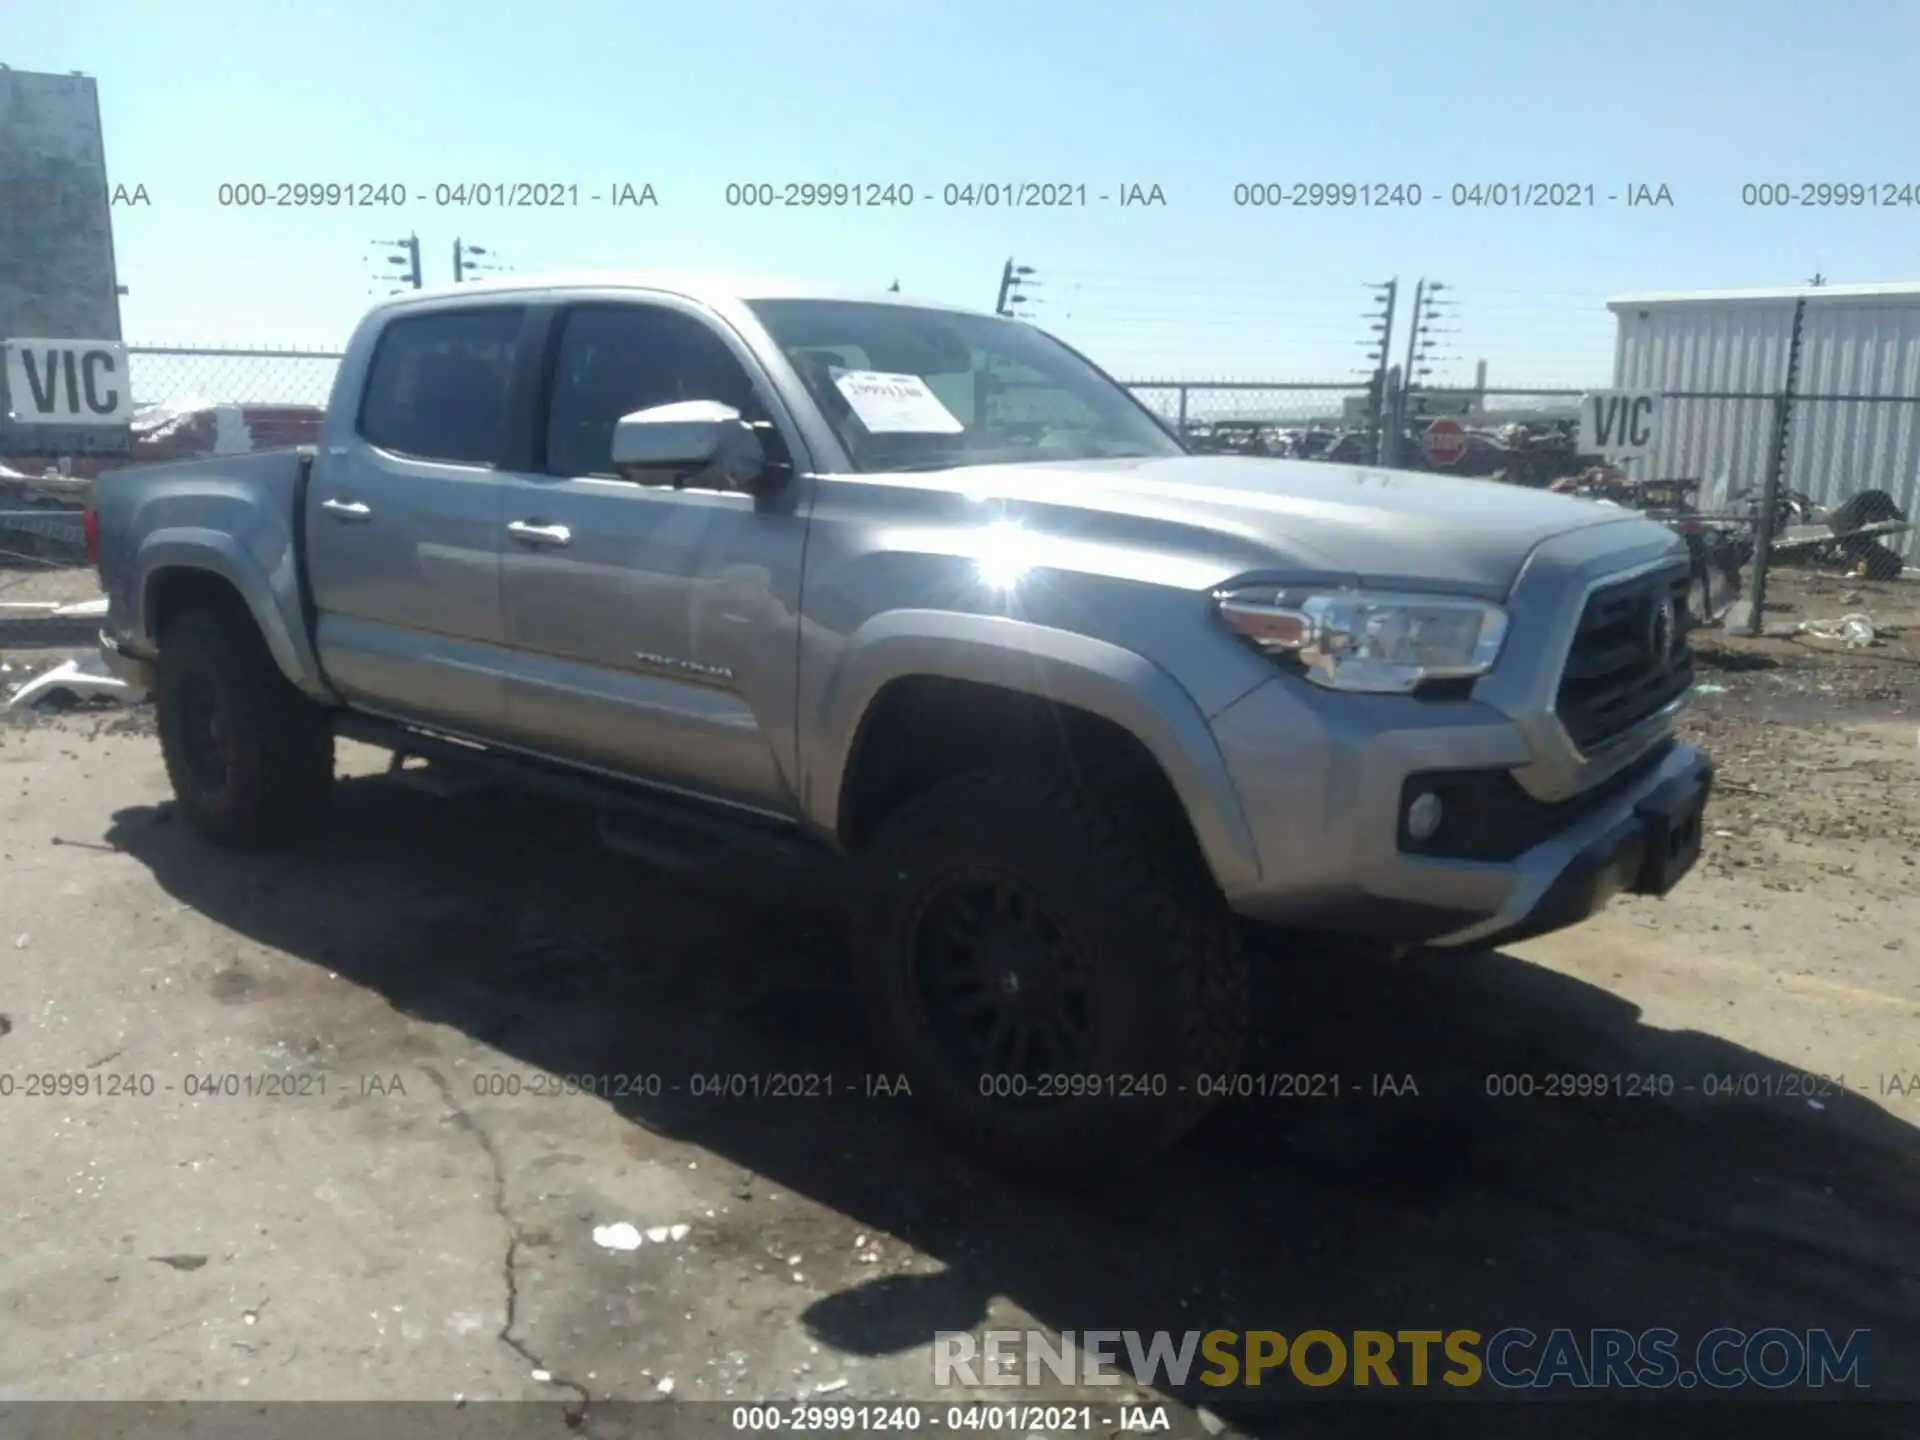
(1192, 95)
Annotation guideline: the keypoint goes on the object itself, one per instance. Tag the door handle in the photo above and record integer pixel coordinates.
(346, 510)
(529, 533)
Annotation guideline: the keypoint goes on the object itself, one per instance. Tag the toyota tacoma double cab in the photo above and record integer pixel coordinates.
(924, 598)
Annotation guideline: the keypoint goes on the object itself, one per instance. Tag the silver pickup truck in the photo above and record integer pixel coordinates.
(923, 598)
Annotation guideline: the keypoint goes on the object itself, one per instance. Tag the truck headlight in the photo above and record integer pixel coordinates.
(1368, 641)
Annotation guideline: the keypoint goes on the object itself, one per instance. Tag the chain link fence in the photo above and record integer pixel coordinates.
(1835, 446)
(1188, 403)
(163, 374)
(181, 375)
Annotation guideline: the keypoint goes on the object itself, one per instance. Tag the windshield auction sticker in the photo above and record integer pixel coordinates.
(895, 404)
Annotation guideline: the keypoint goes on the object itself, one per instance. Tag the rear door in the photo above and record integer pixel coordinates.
(656, 630)
(403, 520)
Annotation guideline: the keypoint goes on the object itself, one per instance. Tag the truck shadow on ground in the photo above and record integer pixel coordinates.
(1420, 1196)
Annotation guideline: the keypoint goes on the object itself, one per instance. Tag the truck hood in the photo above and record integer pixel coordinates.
(1371, 524)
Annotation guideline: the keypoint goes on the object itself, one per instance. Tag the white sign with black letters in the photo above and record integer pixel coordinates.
(67, 382)
(890, 404)
(1619, 424)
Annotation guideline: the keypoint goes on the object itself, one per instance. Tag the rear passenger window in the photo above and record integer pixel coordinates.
(437, 389)
(615, 360)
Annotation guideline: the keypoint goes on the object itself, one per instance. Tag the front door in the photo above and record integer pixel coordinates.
(403, 522)
(655, 630)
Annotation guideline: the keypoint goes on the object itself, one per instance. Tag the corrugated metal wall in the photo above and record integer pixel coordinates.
(1838, 447)
(1849, 345)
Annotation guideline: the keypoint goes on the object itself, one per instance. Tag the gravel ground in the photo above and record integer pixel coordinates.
(386, 1195)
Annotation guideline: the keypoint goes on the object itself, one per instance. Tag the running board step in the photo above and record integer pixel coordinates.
(678, 836)
(446, 780)
(775, 863)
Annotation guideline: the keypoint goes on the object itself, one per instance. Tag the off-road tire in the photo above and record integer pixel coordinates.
(277, 744)
(1140, 907)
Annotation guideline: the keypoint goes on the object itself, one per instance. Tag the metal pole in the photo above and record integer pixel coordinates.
(1398, 417)
(1763, 525)
(1763, 537)
(1006, 284)
(1381, 445)
(1183, 412)
(1392, 401)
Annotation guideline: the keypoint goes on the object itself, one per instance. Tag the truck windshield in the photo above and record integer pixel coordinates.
(914, 389)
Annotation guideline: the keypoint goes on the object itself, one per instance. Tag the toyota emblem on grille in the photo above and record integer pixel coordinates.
(1660, 632)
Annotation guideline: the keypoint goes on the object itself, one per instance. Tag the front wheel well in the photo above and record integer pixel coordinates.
(920, 730)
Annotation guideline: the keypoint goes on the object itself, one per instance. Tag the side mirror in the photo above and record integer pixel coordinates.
(671, 444)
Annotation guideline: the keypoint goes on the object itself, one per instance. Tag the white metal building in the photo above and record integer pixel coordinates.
(1855, 341)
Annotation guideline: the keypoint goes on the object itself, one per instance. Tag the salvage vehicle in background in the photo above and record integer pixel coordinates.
(921, 599)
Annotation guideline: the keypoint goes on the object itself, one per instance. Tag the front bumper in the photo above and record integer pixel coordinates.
(1321, 775)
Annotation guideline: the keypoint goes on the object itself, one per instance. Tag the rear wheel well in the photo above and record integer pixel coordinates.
(921, 730)
(172, 593)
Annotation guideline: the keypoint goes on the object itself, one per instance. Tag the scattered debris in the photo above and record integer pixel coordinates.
(665, 1387)
(180, 1262)
(1855, 629)
(830, 1387)
(543, 1376)
(78, 682)
(618, 1236)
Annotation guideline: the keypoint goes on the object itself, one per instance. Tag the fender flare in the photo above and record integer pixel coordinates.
(274, 605)
(1103, 679)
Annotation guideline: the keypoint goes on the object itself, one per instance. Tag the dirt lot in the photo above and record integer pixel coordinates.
(409, 1214)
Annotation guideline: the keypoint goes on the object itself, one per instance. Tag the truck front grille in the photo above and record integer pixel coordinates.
(1629, 657)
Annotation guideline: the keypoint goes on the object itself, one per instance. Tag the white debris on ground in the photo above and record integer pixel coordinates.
(1855, 629)
(81, 681)
(623, 1236)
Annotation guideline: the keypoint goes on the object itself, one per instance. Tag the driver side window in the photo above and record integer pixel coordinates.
(616, 359)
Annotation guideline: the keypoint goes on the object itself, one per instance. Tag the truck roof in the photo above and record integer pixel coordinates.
(704, 285)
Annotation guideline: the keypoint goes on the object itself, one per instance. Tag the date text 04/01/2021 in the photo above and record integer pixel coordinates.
(444, 195)
(1479, 195)
(969, 195)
